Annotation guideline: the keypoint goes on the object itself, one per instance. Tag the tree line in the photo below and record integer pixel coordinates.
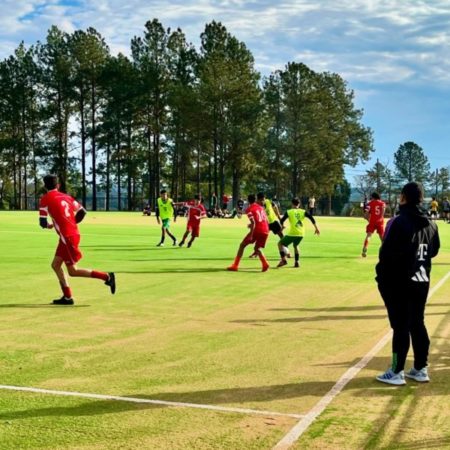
(170, 115)
(410, 164)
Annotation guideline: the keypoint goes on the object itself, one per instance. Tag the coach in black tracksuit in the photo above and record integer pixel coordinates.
(403, 277)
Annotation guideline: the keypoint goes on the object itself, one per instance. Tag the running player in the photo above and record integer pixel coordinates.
(259, 231)
(196, 212)
(375, 216)
(165, 210)
(66, 213)
(434, 205)
(296, 232)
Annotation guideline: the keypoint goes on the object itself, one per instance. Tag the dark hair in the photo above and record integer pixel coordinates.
(50, 182)
(296, 201)
(375, 196)
(197, 197)
(260, 195)
(413, 193)
(251, 198)
(163, 191)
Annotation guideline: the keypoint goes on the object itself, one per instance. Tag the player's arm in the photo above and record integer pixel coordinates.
(313, 221)
(174, 207)
(284, 218)
(43, 217)
(80, 212)
(277, 210)
(157, 214)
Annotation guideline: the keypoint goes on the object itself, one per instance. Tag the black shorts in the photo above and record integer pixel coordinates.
(275, 227)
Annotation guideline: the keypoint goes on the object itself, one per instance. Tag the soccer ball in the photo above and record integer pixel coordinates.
(286, 251)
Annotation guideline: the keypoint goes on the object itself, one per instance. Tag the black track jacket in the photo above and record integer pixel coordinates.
(410, 241)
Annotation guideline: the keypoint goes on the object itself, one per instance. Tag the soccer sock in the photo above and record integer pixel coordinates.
(297, 257)
(282, 254)
(101, 275)
(263, 259)
(67, 291)
(237, 260)
(366, 243)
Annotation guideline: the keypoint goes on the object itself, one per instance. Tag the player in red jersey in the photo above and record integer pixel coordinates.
(375, 216)
(196, 213)
(66, 213)
(259, 231)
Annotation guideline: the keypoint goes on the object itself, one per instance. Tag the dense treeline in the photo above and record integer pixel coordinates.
(169, 115)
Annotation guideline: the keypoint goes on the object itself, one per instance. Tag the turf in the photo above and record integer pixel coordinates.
(181, 328)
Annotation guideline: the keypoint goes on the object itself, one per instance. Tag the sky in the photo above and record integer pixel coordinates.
(394, 54)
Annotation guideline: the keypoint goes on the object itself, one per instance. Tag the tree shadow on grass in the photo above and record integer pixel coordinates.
(320, 318)
(40, 305)
(380, 307)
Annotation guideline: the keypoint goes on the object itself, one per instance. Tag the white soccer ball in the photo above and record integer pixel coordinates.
(286, 251)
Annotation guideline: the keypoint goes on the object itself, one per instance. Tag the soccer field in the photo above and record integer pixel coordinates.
(265, 347)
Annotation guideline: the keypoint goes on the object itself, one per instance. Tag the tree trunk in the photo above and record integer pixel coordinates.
(93, 145)
(108, 174)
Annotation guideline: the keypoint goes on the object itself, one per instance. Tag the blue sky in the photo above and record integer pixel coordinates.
(395, 54)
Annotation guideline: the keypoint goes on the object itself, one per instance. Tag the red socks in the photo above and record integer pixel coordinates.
(67, 291)
(101, 275)
(237, 260)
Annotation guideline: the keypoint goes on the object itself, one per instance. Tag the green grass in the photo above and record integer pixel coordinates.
(181, 328)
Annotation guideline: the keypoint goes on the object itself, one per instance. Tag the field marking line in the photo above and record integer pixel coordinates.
(300, 427)
(149, 401)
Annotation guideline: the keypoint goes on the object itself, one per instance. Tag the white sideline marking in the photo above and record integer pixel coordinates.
(300, 427)
(145, 400)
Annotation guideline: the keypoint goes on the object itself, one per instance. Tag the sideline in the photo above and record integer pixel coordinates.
(299, 428)
(150, 401)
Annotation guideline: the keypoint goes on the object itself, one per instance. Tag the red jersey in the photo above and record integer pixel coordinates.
(62, 209)
(375, 209)
(257, 215)
(195, 211)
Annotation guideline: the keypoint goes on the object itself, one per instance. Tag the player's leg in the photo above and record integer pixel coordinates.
(195, 233)
(185, 235)
(66, 298)
(108, 277)
(282, 246)
(366, 243)
(166, 227)
(163, 235)
(259, 246)
(296, 255)
(234, 267)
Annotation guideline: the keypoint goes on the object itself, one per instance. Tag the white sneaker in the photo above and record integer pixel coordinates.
(418, 375)
(390, 377)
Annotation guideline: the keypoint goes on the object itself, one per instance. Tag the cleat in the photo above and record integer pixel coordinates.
(265, 268)
(161, 244)
(63, 301)
(282, 263)
(111, 282)
(418, 375)
(232, 268)
(174, 242)
(297, 264)
(189, 245)
(181, 244)
(390, 377)
(364, 252)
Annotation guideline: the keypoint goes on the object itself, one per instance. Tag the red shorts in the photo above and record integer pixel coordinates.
(194, 228)
(375, 226)
(68, 249)
(258, 238)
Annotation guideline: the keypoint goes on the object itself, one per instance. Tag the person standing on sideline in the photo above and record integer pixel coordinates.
(258, 234)
(296, 232)
(434, 205)
(403, 277)
(312, 205)
(165, 210)
(66, 213)
(446, 210)
(374, 214)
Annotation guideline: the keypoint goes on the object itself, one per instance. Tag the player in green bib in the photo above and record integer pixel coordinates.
(165, 210)
(296, 232)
